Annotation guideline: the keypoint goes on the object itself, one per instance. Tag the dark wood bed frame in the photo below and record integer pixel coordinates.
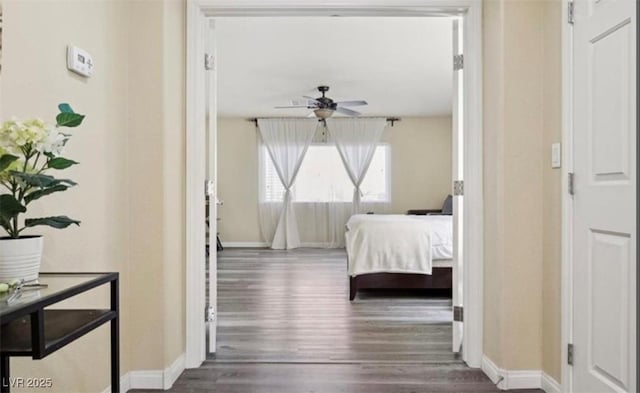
(441, 278)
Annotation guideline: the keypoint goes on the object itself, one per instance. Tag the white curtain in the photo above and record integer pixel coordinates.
(286, 141)
(321, 221)
(356, 140)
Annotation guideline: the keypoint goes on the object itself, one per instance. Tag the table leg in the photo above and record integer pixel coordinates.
(115, 339)
(219, 244)
(4, 372)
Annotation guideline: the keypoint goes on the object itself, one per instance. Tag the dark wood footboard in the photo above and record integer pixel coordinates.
(441, 278)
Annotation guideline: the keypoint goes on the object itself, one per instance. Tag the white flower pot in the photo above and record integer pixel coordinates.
(20, 258)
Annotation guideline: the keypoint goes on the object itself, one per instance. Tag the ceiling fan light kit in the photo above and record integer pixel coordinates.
(324, 113)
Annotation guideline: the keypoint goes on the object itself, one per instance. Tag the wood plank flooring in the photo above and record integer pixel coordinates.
(279, 306)
(285, 324)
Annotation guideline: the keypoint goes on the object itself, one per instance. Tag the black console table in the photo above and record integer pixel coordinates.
(27, 329)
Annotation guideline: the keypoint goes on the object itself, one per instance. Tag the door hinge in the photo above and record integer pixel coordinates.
(570, 354)
(458, 187)
(570, 184)
(208, 61)
(570, 13)
(458, 62)
(458, 313)
(210, 314)
(209, 188)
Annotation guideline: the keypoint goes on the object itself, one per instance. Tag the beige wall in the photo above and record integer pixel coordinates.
(420, 171)
(513, 155)
(552, 192)
(146, 221)
(130, 196)
(522, 197)
(34, 80)
(132, 152)
(174, 166)
(238, 180)
(420, 162)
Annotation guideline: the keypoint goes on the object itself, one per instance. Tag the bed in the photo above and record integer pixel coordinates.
(399, 251)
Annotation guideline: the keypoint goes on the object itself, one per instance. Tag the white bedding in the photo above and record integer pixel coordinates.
(441, 235)
(398, 243)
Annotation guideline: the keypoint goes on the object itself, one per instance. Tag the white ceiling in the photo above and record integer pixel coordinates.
(401, 66)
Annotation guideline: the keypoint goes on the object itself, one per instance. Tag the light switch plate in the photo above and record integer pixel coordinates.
(556, 156)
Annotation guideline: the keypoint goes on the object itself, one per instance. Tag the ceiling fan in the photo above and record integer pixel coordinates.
(324, 107)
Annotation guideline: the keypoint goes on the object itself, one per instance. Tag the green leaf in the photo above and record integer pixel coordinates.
(45, 191)
(66, 182)
(65, 108)
(6, 160)
(60, 163)
(6, 224)
(69, 119)
(40, 180)
(58, 222)
(34, 179)
(10, 207)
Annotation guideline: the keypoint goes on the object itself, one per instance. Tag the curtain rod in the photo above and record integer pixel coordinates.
(391, 120)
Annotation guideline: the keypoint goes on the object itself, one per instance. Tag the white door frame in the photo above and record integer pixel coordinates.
(197, 13)
(566, 314)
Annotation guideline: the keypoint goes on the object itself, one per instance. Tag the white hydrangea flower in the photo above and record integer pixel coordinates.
(53, 143)
(15, 134)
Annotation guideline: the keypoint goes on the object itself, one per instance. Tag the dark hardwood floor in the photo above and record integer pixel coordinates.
(285, 325)
(279, 306)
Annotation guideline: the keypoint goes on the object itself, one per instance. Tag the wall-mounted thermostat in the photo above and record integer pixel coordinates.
(79, 61)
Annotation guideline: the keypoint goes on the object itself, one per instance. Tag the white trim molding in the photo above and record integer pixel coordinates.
(195, 174)
(519, 379)
(146, 379)
(549, 384)
(245, 244)
(173, 372)
(566, 280)
(125, 384)
(151, 379)
(491, 370)
(470, 13)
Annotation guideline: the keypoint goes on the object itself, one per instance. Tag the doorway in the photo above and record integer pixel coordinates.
(265, 294)
(197, 27)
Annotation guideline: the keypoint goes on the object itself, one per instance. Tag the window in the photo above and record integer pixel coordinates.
(323, 178)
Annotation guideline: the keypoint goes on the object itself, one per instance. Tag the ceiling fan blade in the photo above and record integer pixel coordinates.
(291, 106)
(310, 99)
(352, 103)
(347, 111)
(311, 114)
(306, 103)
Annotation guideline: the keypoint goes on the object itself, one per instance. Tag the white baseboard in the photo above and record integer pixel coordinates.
(146, 379)
(549, 384)
(509, 379)
(319, 245)
(174, 371)
(267, 245)
(523, 379)
(492, 371)
(151, 379)
(519, 379)
(125, 384)
(245, 244)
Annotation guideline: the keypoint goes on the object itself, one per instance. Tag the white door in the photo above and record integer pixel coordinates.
(212, 186)
(457, 176)
(604, 223)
